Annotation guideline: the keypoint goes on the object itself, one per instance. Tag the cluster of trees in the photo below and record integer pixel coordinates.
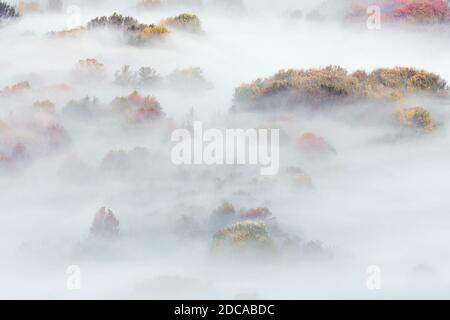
(185, 21)
(133, 108)
(145, 76)
(29, 140)
(135, 31)
(137, 108)
(430, 11)
(188, 78)
(256, 229)
(415, 11)
(138, 33)
(331, 85)
(335, 86)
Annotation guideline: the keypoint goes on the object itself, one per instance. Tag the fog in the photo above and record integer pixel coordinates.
(379, 201)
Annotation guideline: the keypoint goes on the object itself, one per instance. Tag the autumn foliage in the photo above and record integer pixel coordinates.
(256, 213)
(89, 69)
(244, 235)
(184, 21)
(413, 11)
(430, 11)
(334, 85)
(417, 119)
(135, 31)
(137, 108)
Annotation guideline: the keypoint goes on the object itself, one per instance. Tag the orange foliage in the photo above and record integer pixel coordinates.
(138, 108)
(256, 213)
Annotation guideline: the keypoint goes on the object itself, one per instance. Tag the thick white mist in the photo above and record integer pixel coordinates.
(378, 202)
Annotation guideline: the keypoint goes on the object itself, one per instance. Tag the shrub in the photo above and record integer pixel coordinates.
(246, 234)
(417, 119)
(137, 108)
(184, 21)
(105, 224)
(7, 11)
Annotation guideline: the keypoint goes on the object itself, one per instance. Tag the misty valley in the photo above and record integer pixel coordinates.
(224, 149)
